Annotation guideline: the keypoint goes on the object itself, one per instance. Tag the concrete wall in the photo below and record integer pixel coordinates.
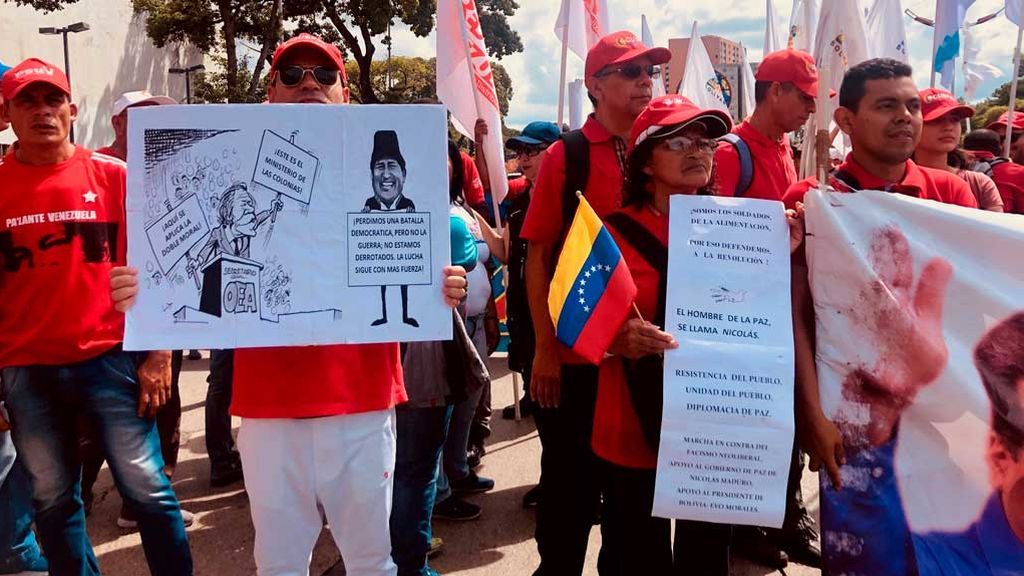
(114, 57)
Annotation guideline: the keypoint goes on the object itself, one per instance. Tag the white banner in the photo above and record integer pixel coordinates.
(887, 30)
(276, 225)
(465, 83)
(587, 22)
(657, 84)
(727, 425)
(771, 36)
(700, 79)
(920, 356)
(803, 24)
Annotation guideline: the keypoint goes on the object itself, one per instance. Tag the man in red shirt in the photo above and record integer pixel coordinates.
(1001, 125)
(880, 110)
(318, 422)
(987, 149)
(63, 229)
(619, 71)
(119, 119)
(785, 88)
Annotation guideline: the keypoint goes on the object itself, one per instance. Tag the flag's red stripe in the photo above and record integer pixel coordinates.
(608, 315)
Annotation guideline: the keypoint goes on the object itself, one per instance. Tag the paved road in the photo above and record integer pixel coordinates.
(499, 543)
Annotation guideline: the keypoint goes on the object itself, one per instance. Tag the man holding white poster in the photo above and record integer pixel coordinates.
(317, 421)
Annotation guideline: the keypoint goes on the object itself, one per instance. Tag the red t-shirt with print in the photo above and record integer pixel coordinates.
(62, 228)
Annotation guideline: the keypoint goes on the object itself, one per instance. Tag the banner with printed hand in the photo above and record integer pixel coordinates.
(465, 83)
(920, 361)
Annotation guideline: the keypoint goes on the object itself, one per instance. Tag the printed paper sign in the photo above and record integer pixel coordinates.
(727, 426)
(245, 237)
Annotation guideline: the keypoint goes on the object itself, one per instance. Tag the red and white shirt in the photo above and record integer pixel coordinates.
(62, 228)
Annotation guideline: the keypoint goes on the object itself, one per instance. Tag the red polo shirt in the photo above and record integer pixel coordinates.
(604, 185)
(918, 181)
(774, 169)
(314, 381)
(1009, 179)
(617, 436)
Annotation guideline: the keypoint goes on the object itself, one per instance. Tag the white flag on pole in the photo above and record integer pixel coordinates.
(465, 83)
(975, 73)
(1015, 11)
(771, 35)
(747, 82)
(587, 22)
(949, 17)
(700, 81)
(887, 30)
(657, 84)
(803, 23)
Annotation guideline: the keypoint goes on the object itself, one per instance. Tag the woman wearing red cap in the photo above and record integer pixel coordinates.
(940, 140)
(671, 151)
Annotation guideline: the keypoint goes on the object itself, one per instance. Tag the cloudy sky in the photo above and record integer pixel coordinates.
(535, 71)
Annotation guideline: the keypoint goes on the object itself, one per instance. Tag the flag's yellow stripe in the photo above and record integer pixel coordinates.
(584, 230)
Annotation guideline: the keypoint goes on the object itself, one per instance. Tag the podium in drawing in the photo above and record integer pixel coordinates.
(231, 285)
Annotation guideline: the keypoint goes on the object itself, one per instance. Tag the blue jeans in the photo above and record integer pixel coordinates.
(45, 403)
(456, 463)
(420, 436)
(18, 548)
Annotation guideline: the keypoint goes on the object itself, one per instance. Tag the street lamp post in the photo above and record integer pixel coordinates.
(76, 27)
(188, 78)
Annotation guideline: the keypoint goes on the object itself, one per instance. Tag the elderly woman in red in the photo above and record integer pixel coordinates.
(671, 151)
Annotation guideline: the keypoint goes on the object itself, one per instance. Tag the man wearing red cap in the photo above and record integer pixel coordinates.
(1001, 125)
(63, 230)
(880, 110)
(785, 90)
(318, 422)
(619, 73)
(756, 161)
(987, 150)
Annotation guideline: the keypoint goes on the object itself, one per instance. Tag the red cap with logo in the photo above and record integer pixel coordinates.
(1018, 121)
(619, 47)
(789, 65)
(936, 103)
(674, 111)
(313, 42)
(29, 72)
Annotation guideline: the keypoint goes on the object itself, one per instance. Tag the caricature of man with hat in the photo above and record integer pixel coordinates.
(387, 172)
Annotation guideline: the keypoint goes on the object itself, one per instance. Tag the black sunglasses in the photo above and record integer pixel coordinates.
(632, 71)
(293, 75)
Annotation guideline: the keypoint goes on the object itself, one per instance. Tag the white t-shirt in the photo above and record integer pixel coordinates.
(479, 289)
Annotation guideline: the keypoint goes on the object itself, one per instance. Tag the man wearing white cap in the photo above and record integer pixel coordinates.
(119, 119)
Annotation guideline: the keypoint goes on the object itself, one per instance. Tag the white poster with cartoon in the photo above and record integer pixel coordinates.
(272, 225)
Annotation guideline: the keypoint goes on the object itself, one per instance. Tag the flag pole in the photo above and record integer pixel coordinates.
(1012, 107)
(565, 56)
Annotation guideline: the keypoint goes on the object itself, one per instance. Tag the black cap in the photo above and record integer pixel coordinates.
(385, 145)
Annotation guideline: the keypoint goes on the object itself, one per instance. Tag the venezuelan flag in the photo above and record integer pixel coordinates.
(592, 290)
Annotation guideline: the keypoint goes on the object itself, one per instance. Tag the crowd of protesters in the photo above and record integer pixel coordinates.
(378, 440)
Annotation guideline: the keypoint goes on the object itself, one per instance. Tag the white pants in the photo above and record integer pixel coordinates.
(345, 464)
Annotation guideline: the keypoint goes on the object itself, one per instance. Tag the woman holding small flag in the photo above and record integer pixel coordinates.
(614, 276)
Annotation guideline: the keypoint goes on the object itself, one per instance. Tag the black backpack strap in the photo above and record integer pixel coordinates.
(849, 179)
(577, 171)
(640, 238)
(746, 163)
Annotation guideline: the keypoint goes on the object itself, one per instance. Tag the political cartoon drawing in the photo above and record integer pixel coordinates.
(251, 225)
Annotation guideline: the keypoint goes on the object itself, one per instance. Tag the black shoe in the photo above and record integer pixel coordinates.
(456, 509)
(525, 409)
(411, 322)
(195, 355)
(226, 475)
(472, 484)
(474, 455)
(379, 321)
(802, 544)
(532, 497)
(754, 544)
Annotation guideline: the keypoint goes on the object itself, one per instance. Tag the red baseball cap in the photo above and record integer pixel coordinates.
(789, 65)
(619, 47)
(310, 41)
(1018, 121)
(666, 115)
(29, 72)
(936, 103)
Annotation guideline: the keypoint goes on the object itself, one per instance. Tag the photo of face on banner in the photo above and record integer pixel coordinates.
(921, 368)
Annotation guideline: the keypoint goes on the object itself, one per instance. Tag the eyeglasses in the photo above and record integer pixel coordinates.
(632, 71)
(685, 144)
(293, 75)
(531, 152)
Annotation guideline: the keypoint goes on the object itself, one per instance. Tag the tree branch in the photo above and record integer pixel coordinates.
(270, 37)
